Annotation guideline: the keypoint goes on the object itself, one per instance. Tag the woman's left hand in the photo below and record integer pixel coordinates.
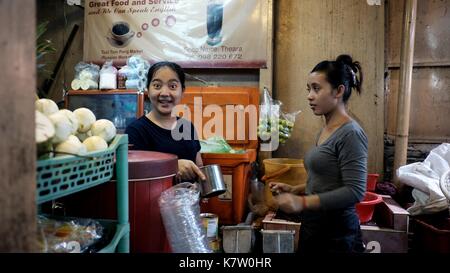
(289, 203)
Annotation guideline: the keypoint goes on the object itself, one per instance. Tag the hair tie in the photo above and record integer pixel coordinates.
(353, 76)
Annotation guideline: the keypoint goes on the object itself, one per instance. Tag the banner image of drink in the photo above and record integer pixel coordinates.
(214, 22)
(193, 33)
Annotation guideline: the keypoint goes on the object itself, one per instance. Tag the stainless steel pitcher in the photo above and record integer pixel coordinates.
(213, 185)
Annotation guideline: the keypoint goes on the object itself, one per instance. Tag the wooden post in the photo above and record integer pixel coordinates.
(17, 148)
(404, 94)
(266, 75)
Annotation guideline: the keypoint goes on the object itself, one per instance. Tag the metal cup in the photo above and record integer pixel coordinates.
(213, 185)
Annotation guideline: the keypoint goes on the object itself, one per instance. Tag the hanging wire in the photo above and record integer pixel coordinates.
(207, 83)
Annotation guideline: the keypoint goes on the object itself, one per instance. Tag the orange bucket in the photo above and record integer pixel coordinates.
(285, 170)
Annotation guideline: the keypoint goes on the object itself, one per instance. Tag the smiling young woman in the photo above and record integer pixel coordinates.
(155, 131)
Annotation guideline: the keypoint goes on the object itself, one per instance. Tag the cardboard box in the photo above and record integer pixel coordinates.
(384, 240)
(390, 214)
(388, 231)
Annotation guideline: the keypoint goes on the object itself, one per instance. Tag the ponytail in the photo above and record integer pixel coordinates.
(342, 71)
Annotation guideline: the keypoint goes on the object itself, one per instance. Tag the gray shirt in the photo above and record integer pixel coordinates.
(337, 169)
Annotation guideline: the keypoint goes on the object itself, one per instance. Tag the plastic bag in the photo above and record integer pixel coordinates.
(424, 177)
(108, 76)
(86, 76)
(217, 145)
(180, 211)
(137, 73)
(68, 235)
(122, 77)
(273, 122)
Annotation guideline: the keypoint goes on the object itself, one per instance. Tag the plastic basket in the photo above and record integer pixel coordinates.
(61, 176)
(365, 208)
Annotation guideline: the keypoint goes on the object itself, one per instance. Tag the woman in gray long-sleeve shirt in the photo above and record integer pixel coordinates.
(336, 165)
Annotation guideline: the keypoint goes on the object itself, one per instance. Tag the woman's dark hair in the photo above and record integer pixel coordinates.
(175, 67)
(342, 71)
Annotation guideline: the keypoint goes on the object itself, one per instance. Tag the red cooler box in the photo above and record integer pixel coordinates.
(242, 124)
(150, 173)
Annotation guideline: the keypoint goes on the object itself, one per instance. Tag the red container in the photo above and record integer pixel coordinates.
(432, 235)
(372, 179)
(366, 207)
(150, 173)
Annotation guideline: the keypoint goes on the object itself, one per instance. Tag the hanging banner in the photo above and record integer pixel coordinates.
(193, 33)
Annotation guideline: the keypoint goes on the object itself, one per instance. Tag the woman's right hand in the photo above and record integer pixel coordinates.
(276, 187)
(187, 170)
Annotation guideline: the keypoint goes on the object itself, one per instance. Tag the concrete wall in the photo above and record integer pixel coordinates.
(309, 31)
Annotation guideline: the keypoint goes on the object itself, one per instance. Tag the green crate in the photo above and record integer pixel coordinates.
(61, 176)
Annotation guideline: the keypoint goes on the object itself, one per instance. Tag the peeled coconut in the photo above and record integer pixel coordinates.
(84, 85)
(73, 139)
(95, 143)
(46, 106)
(44, 128)
(71, 146)
(63, 127)
(72, 119)
(85, 119)
(82, 136)
(104, 129)
(75, 84)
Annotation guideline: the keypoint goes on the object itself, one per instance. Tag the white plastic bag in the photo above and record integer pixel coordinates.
(424, 177)
(137, 73)
(86, 76)
(108, 76)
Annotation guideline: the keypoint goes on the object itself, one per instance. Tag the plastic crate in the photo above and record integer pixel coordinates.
(231, 206)
(61, 176)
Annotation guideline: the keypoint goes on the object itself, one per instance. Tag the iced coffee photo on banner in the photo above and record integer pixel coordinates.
(214, 22)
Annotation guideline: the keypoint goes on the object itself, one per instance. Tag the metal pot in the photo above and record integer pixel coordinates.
(213, 185)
